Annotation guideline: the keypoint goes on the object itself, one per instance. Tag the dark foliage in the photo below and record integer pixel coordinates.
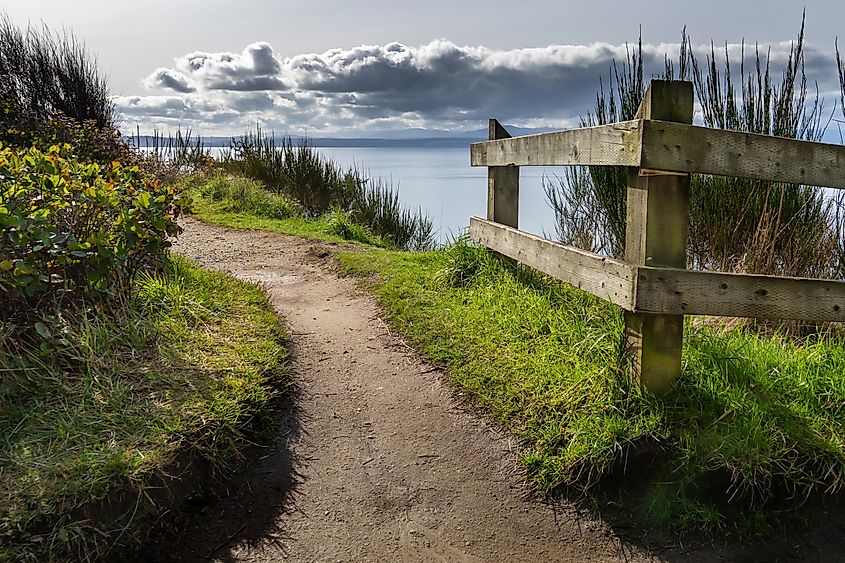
(51, 92)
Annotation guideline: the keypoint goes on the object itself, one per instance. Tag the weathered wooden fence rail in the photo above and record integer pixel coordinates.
(652, 284)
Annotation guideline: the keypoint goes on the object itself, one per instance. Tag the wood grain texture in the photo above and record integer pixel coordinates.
(502, 185)
(617, 144)
(688, 292)
(656, 235)
(668, 100)
(674, 148)
(679, 147)
(503, 195)
(603, 277)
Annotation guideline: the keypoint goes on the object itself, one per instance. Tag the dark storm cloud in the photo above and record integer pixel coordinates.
(165, 106)
(435, 85)
(442, 78)
(237, 109)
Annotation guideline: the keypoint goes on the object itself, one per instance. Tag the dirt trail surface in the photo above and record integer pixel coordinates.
(382, 463)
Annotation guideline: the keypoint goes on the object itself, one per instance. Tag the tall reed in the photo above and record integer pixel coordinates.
(735, 224)
(43, 74)
(376, 204)
(749, 225)
(318, 185)
(182, 150)
(840, 65)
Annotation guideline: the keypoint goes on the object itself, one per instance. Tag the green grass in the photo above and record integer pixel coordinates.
(238, 202)
(755, 424)
(186, 370)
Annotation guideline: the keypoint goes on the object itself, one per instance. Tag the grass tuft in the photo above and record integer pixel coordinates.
(339, 223)
(242, 195)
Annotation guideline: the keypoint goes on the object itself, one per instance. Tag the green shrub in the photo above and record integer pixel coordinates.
(90, 143)
(243, 195)
(340, 224)
(319, 185)
(75, 230)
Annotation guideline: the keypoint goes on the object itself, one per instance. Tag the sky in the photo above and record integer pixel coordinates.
(365, 67)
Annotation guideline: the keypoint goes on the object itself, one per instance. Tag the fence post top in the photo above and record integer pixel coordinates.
(668, 100)
(497, 130)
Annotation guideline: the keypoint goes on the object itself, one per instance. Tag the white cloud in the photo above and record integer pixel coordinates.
(256, 68)
(437, 85)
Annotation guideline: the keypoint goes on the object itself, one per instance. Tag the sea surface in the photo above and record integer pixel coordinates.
(441, 182)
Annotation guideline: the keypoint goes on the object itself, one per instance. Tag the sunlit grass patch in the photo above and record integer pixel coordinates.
(186, 369)
(754, 425)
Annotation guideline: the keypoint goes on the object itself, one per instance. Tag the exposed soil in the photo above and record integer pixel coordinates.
(377, 459)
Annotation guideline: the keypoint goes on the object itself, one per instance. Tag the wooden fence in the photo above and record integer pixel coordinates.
(652, 285)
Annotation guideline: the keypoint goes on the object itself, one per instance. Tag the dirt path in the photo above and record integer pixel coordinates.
(387, 465)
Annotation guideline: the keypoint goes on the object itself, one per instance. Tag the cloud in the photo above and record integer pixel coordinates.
(170, 80)
(437, 85)
(232, 112)
(257, 68)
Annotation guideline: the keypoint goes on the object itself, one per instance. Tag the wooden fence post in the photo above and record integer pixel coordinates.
(502, 186)
(656, 235)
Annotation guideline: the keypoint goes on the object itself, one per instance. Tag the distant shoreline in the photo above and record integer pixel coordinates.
(417, 139)
(328, 142)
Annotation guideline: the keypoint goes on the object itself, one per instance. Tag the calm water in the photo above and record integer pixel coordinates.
(441, 182)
